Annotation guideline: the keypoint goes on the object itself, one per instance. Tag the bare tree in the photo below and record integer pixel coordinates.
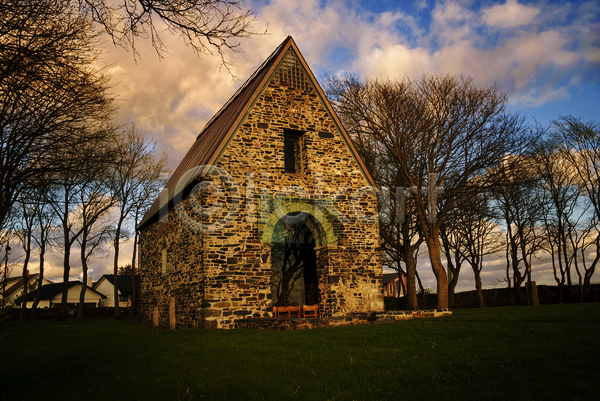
(398, 226)
(452, 248)
(47, 89)
(565, 211)
(204, 25)
(480, 237)
(42, 236)
(436, 131)
(26, 225)
(5, 237)
(520, 205)
(151, 184)
(400, 246)
(135, 176)
(69, 189)
(8, 261)
(581, 150)
(95, 201)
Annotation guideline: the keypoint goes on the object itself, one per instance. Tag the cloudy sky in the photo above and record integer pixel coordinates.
(546, 53)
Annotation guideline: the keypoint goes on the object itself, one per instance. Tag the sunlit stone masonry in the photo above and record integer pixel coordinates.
(272, 206)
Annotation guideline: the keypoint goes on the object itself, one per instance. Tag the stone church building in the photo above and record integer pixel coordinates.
(271, 206)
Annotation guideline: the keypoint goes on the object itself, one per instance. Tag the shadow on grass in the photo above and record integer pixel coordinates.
(547, 352)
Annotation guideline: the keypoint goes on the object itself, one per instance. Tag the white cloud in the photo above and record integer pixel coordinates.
(510, 14)
(395, 61)
(173, 98)
(533, 64)
(451, 23)
(539, 96)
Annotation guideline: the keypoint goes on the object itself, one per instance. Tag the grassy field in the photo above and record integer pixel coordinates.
(532, 353)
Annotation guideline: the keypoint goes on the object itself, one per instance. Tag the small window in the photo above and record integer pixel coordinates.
(292, 147)
(164, 261)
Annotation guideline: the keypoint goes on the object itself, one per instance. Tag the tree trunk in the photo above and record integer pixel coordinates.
(422, 305)
(38, 291)
(411, 285)
(517, 277)
(133, 281)
(518, 294)
(67, 268)
(433, 244)
(116, 268)
(478, 287)
(453, 267)
(590, 272)
(561, 289)
(67, 255)
(529, 294)
(562, 255)
(84, 270)
(23, 310)
(508, 245)
(25, 281)
(402, 290)
(570, 283)
(82, 293)
(452, 286)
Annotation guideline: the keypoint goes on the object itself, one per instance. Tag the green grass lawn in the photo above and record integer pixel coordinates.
(532, 353)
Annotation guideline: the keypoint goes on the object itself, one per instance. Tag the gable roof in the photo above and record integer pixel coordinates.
(13, 284)
(123, 283)
(49, 291)
(214, 137)
(387, 277)
(10, 281)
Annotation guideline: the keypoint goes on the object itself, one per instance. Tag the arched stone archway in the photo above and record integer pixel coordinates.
(321, 225)
(294, 261)
(343, 282)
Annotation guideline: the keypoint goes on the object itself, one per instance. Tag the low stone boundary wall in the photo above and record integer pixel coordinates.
(390, 315)
(287, 323)
(547, 295)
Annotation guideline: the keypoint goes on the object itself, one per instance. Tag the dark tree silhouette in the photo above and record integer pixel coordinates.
(48, 90)
(435, 131)
(205, 25)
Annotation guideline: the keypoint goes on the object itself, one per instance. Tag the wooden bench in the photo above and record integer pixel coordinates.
(295, 311)
(281, 311)
(310, 310)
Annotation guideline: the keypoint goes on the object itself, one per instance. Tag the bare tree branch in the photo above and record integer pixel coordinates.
(207, 26)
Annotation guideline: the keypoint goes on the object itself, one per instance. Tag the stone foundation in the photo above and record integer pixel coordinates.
(352, 319)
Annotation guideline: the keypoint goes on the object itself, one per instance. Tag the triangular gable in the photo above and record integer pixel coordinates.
(17, 284)
(123, 281)
(290, 71)
(285, 64)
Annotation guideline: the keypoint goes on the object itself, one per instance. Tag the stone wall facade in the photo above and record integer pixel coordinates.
(218, 263)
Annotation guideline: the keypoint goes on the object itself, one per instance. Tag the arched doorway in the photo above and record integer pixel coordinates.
(294, 279)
